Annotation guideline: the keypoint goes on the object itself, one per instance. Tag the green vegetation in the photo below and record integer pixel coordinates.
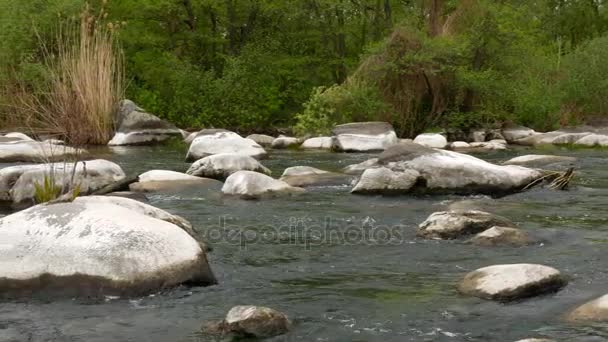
(252, 65)
(49, 191)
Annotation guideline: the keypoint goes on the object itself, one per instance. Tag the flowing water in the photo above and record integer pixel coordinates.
(347, 267)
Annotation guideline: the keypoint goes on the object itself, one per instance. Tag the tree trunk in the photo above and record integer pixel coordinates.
(435, 12)
(191, 21)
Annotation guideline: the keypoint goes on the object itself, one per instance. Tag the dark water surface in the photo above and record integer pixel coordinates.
(323, 258)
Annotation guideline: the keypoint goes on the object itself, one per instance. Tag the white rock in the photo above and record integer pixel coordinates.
(593, 140)
(497, 236)
(357, 169)
(535, 340)
(302, 176)
(18, 135)
(432, 140)
(458, 223)
(285, 142)
(261, 139)
(220, 166)
(538, 160)
(34, 151)
(163, 176)
(518, 132)
(385, 181)
(478, 136)
(364, 136)
(253, 185)
(95, 248)
(510, 282)
(318, 143)
(17, 183)
(568, 138)
(458, 145)
(164, 180)
(593, 311)
(220, 141)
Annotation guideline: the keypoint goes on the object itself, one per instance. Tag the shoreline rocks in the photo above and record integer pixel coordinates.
(136, 127)
(35, 152)
(512, 281)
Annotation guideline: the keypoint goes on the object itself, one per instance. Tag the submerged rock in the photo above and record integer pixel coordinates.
(250, 321)
(499, 236)
(209, 142)
(35, 151)
(261, 139)
(220, 166)
(385, 181)
(452, 172)
(593, 311)
(325, 143)
(458, 223)
(432, 140)
(512, 281)
(164, 180)
(302, 176)
(539, 160)
(364, 136)
(536, 340)
(137, 127)
(17, 183)
(285, 142)
(96, 247)
(254, 185)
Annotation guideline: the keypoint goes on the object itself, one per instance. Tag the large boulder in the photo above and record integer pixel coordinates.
(18, 183)
(433, 140)
(458, 223)
(303, 176)
(593, 140)
(502, 236)
(35, 151)
(209, 142)
(220, 166)
(165, 180)
(512, 281)
(539, 160)
(451, 172)
(364, 136)
(136, 127)
(261, 139)
(385, 181)
(283, 142)
(254, 185)
(96, 247)
(247, 321)
(322, 143)
(593, 311)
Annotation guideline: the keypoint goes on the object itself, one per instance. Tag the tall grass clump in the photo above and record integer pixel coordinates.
(86, 81)
(80, 83)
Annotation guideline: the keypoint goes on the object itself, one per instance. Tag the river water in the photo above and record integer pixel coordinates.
(347, 267)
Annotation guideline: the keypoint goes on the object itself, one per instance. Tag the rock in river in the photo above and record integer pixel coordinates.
(261, 139)
(364, 136)
(593, 311)
(96, 247)
(500, 236)
(250, 321)
(285, 142)
(458, 223)
(137, 127)
(512, 281)
(254, 185)
(385, 181)
(164, 180)
(17, 183)
(220, 166)
(322, 143)
(539, 160)
(303, 176)
(451, 172)
(433, 140)
(215, 141)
